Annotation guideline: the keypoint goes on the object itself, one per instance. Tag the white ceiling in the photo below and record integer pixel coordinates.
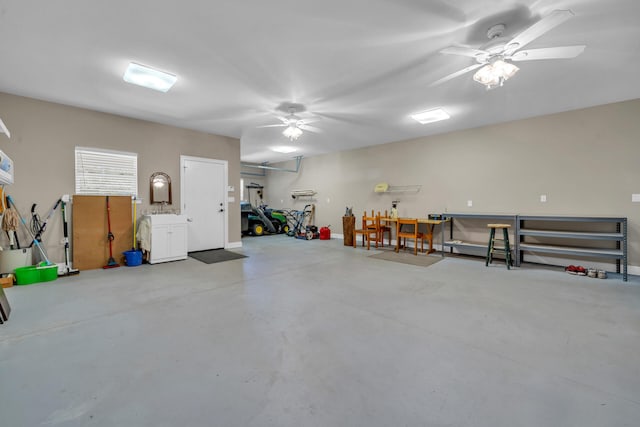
(362, 66)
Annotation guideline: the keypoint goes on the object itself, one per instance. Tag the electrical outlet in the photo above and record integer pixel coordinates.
(543, 198)
(635, 198)
(469, 203)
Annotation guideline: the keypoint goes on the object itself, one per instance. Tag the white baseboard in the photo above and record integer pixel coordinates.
(234, 245)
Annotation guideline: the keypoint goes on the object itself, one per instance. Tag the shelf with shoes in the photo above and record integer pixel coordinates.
(594, 237)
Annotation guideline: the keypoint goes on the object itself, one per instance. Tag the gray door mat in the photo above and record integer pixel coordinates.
(215, 255)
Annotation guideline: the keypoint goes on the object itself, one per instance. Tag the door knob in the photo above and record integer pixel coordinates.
(189, 219)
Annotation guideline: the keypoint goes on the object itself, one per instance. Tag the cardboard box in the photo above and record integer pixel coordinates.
(6, 282)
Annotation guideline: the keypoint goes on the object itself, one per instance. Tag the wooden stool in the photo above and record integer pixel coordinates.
(492, 240)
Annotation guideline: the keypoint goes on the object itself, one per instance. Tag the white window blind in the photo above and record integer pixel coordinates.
(106, 172)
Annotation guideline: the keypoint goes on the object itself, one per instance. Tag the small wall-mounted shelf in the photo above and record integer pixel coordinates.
(303, 194)
(386, 188)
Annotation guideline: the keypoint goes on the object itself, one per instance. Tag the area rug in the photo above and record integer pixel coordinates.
(215, 255)
(407, 258)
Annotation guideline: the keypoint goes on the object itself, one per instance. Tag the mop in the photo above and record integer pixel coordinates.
(68, 271)
(35, 242)
(112, 262)
(10, 225)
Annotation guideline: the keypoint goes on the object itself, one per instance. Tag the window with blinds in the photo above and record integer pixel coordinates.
(106, 172)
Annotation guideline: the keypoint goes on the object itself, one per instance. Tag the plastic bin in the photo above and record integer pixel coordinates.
(27, 275)
(132, 258)
(36, 274)
(47, 272)
(10, 259)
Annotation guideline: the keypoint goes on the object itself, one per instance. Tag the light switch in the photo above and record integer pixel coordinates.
(635, 198)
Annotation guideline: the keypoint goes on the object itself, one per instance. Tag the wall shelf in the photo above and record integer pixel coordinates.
(399, 189)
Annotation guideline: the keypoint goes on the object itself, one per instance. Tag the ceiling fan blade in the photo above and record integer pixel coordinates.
(310, 120)
(547, 23)
(456, 74)
(284, 120)
(310, 128)
(464, 51)
(560, 52)
(272, 126)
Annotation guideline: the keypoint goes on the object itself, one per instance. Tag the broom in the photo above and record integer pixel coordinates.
(112, 262)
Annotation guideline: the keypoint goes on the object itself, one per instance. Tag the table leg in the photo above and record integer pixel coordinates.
(430, 238)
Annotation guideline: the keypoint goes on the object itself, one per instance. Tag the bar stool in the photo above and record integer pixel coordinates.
(506, 249)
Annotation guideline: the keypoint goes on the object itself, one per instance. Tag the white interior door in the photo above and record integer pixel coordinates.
(203, 188)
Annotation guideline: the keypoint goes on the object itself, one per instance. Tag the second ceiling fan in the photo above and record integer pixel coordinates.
(496, 57)
(294, 125)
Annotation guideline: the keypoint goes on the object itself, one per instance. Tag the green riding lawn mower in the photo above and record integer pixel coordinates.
(261, 219)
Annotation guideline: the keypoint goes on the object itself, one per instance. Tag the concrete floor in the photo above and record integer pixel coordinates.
(318, 334)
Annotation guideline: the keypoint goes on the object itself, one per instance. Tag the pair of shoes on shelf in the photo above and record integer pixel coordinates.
(576, 269)
(600, 274)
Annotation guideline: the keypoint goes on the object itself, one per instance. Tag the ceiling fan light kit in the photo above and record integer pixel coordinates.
(292, 132)
(495, 73)
(494, 59)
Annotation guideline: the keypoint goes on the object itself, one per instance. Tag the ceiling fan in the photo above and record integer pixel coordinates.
(294, 125)
(495, 58)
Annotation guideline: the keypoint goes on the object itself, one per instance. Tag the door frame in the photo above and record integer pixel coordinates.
(225, 185)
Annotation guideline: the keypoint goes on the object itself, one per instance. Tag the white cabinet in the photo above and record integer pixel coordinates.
(168, 238)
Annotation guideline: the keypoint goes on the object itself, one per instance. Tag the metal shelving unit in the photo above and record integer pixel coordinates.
(552, 240)
(472, 246)
(619, 236)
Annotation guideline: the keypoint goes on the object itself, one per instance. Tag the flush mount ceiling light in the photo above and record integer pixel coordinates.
(151, 78)
(495, 73)
(430, 116)
(284, 149)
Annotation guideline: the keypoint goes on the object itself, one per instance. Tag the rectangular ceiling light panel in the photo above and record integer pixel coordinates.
(430, 116)
(149, 77)
(284, 149)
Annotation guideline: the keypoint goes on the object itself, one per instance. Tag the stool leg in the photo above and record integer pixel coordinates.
(507, 248)
(492, 234)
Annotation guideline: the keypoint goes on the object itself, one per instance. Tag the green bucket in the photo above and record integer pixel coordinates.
(36, 273)
(47, 272)
(27, 275)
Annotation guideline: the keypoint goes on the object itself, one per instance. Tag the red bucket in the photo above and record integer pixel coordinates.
(325, 233)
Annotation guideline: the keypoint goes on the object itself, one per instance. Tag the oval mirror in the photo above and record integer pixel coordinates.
(160, 188)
